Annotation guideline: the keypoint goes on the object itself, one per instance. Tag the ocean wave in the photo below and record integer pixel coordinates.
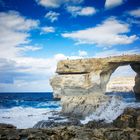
(22, 103)
(49, 104)
(110, 111)
(26, 117)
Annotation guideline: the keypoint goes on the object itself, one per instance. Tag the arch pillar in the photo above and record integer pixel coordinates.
(136, 68)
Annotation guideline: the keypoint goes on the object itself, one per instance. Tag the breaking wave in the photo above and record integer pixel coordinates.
(112, 109)
(26, 117)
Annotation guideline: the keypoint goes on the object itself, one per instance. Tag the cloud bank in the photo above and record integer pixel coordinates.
(57, 3)
(110, 32)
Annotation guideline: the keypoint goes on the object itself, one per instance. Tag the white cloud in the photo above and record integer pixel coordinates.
(52, 16)
(14, 32)
(49, 3)
(82, 53)
(13, 20)
(28, 71)
(26, 86)
(135, 13)
(57, 3)
(30, 48)
(14, 66)
(17, 71)
(81, 11)
(110, 32)
(115, 52)
(113, 3)
(47, 29)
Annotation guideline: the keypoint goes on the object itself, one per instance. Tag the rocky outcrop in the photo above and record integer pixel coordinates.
(83, 78)
(129, 118)
(69, 133)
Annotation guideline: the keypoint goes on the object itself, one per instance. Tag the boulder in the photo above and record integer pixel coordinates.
(129, 118)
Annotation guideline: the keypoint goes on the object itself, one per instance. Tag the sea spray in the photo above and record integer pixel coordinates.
(108, 111)
(26, 117)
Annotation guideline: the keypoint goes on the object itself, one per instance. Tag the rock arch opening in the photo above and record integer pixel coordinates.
(121, 80)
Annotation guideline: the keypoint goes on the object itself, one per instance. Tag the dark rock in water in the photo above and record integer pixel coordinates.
(56, 118)
(54, 123)
(44, 124)
(56, 99)
(6, 117)
(53, 113)
(30, 115)
(129, 118)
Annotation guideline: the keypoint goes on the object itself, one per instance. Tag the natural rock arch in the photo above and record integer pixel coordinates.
(79, 80)
(88, 76)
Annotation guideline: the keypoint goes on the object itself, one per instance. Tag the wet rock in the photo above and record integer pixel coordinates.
(72, 133)
(98, 124)
(56, 123)
(6, 117)
(8, 132)
(129, 118)
(56, 118)
(4, 126)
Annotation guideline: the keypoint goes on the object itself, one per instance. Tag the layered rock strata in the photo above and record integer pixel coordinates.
(83, 78)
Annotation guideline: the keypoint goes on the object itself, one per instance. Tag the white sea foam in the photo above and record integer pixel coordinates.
(110, 111)
(25, 117)
(52, 103)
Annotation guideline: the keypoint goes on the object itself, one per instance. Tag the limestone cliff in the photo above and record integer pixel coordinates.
(88, 77)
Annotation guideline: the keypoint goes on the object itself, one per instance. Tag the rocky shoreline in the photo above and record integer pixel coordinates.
(125, 127)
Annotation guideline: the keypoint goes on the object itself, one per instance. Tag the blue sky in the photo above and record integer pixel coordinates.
(36, 34)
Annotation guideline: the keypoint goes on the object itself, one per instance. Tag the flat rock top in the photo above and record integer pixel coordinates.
(80, 66)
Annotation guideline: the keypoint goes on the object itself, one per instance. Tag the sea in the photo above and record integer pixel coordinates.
(24, 110)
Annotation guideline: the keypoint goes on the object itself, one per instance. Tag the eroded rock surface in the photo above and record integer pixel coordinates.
(83, 78)
(81, 106)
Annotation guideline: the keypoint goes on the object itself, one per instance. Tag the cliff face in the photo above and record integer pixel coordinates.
(86, 77)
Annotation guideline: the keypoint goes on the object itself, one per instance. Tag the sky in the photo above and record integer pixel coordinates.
(36, 34)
